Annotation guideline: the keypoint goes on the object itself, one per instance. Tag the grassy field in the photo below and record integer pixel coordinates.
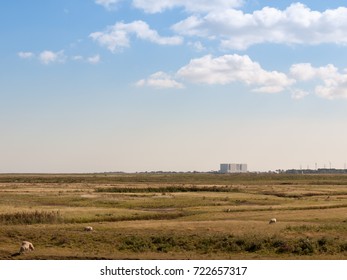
(174, 216)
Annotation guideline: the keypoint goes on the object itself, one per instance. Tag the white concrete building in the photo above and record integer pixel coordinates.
(233, 168)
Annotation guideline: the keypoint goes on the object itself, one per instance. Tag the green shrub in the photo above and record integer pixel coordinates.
(304, 247)
(343, 247)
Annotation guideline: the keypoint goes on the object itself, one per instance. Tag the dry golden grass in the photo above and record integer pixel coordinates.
(175, 216)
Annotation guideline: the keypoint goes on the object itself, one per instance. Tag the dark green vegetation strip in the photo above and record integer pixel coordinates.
(322, 207)
(232, 244)
(54, 217)
(105, 241)
(157, 216)
(180, 178)
(311, 194)
(171, 189)
(28, 218)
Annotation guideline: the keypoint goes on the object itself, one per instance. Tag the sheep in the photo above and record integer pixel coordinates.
(273, 221)
(26, 247)
(89, 228)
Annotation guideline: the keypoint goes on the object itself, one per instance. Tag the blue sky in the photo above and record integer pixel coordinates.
(142, 85)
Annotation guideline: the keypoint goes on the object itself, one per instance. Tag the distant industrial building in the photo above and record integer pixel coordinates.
(233, 168)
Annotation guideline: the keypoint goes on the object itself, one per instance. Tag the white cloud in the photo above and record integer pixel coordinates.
(269, 89)
(25, 55)
(333, 82)
(198, 46)
(192, 26)
(299, 94)
(306, 72)
(234, 68)
(160, 80)
(116, 37)
(328, 81)
(339, 90)
(156, 6)
(47, 57)
(108, 4)
(302, 71)
(297, 24)
(77, 58)
(91, 59)
(94, 59)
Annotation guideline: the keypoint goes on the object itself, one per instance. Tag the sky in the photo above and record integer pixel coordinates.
(172, 85)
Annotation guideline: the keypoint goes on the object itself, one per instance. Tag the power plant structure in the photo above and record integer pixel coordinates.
(233, 168)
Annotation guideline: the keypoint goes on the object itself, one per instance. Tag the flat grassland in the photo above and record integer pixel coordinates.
(174, 216)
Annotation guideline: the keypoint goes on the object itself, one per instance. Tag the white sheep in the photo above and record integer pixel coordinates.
(89, 228)
(26, 247)
(273, 221)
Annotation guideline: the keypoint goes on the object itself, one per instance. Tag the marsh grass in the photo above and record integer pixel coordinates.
(136, 217)
(169, 189)
(231, 244)
(179, 178)
(29, 218)
(162, 216)
(317, 228)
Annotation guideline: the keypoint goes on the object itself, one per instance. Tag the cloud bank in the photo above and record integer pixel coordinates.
(225, 70)
(116, 37)
(297, 24)
(155, 6)
(233, 29)
(50, 57)
(332, 82)
(229, 69)
(222, 21)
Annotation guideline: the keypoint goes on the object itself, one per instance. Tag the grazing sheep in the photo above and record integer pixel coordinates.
(88, 228)
(273, 221)
(26, 246)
